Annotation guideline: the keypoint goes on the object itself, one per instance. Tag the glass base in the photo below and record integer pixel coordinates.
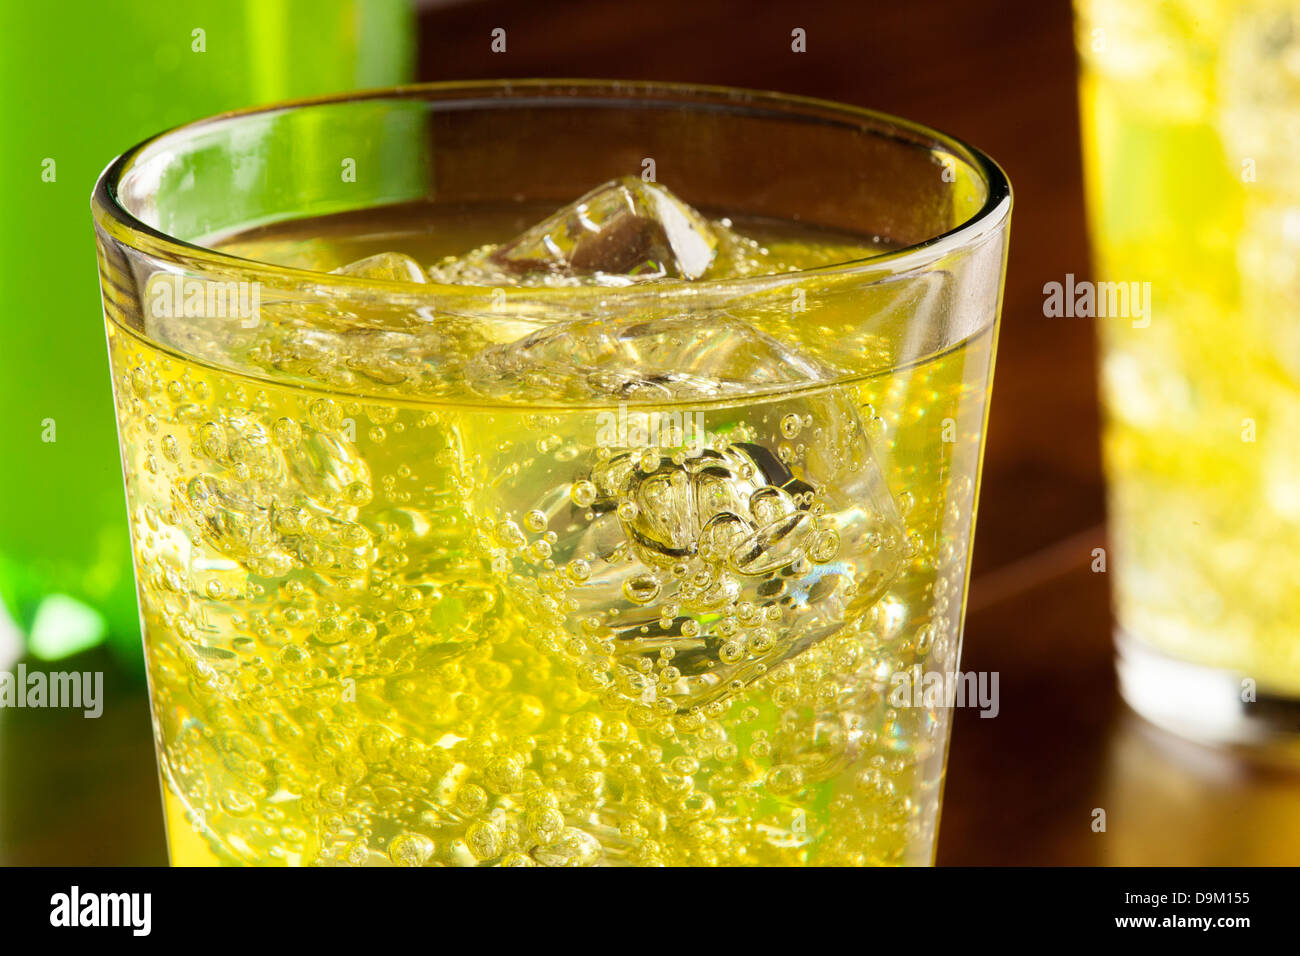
(1204, 703)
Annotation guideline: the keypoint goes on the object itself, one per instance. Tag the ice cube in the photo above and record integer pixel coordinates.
(393, 266)
(686, 573)
(623, 232)
(634, 358)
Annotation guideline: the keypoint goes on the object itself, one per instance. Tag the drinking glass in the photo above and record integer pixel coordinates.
(1190, 119)
(634, 535)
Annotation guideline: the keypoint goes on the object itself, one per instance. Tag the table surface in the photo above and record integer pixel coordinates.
(1022, 788)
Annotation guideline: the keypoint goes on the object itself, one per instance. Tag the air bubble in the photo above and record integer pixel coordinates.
(237, 803)
(212, 440)
(471, 799)
(582, 493)
(483, 840)
(324, 415)
(825, 546)
(286, 432)
(545, 824)
(785, 780)
(510, 535)
(410, 849)
(641, 589)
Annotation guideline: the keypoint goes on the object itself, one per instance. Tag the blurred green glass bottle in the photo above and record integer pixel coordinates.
(80, 81)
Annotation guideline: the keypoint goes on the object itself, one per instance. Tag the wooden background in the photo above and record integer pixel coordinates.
(1022, 787)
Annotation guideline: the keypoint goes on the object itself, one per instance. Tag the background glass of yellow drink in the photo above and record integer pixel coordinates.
(1191, 118)
(417, 593)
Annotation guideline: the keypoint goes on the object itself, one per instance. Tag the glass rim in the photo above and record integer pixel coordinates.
(119, 223)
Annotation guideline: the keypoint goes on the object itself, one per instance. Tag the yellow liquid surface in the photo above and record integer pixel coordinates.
(406, 629)
(1187, 110)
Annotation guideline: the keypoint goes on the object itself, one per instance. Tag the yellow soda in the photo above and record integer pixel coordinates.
(493, 605)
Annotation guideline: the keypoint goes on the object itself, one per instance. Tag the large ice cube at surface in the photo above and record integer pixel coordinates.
(623, 232)
(393, 266)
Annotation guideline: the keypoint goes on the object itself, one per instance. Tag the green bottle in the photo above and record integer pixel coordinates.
(81, 81)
